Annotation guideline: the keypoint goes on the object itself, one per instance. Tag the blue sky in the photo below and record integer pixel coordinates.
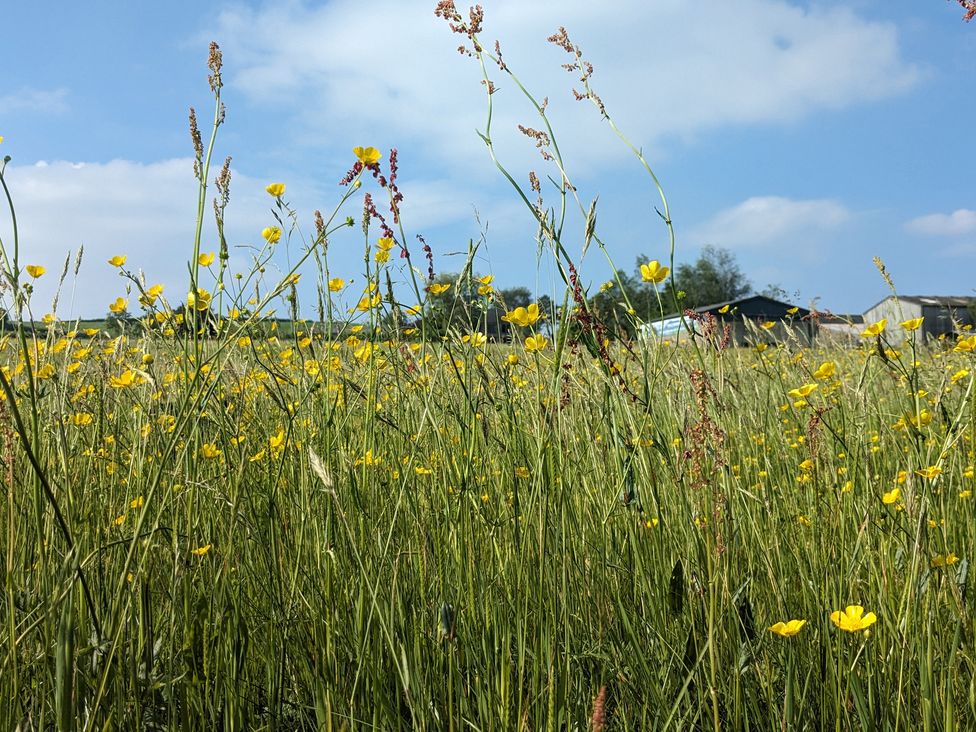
(806, 137)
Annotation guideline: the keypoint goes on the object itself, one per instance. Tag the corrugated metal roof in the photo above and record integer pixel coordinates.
(946, 301)
(833, 319)
(751, 300)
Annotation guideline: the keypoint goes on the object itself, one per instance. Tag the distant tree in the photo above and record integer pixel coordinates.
(714, 277)
(547, 309)
(115, 321)
(609, 304)
(453, 308)
(775, 292)
(515, 297)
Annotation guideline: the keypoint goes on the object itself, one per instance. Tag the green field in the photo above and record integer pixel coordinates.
(308, 535)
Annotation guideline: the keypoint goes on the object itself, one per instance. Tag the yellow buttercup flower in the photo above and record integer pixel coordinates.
(277, 442)
(535, 343)
(210, 451)
(336, 284)
(199, 299)
(485, 287)
(439, 289)
(912, 324)
(149, 297)
(367, 155)
(276, 189)
(965, 345)
(523, 317)
(852, 619)
(803, 391)
(206, 259)
(933, 471)
(891, 496)
(653, 272)
(118, 260)
(875, 329)
(724, 309)
(788, 629)
(119, 305)
(201, 550)
(944, 560)
(35, 270)
(826, 370)
(366, 303)
(271, 234)
(126, 379)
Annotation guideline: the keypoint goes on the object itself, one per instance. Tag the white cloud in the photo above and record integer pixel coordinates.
(763, 221)
(958, 223)
(53, 101)
(148, 212)
(665, 68)
(145, 211)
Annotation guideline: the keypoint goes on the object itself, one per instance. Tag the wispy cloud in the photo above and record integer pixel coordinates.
(661, 70)
(958, 223)
(148, 212)
(764, 221)
(53, 101)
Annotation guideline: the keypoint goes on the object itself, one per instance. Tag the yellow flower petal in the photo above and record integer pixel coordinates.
(912, 324)
(367, 155)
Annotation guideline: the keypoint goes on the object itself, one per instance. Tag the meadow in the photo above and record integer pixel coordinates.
(210, 522)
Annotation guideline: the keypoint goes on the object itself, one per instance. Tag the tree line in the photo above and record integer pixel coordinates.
(470, 303)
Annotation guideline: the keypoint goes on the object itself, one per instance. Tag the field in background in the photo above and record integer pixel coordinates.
(307, 535)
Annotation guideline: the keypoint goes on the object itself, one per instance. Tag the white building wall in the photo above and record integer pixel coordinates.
(895, 311)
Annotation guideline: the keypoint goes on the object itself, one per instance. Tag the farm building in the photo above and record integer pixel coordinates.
(751, 320)
(839, 329)
(944, 315)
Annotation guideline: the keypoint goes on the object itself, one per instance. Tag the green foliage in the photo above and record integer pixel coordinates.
(714, 277)
(116, 323)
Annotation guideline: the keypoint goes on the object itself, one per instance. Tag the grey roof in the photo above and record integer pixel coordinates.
(842, 319)
(751, 299)
(946, 301)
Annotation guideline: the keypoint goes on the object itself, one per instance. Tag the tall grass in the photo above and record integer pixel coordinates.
(211, 524)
